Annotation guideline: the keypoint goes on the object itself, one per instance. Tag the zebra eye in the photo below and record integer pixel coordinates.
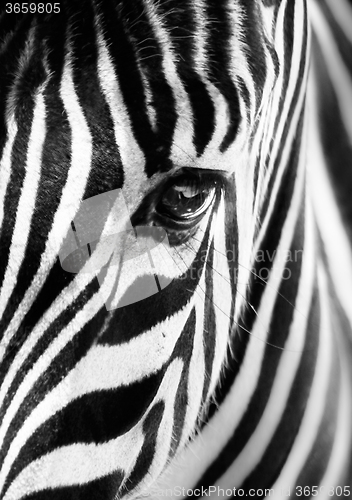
(186, 201)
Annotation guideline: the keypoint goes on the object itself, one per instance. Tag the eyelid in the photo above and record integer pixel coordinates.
(200, 179)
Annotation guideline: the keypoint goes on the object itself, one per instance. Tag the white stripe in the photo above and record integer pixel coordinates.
(283, 166)
(341, 450)
(80, 463)
(115, 365)
(264, 135)
(77, 464)
(182, 147)
(343, 14)
(253, 452)
(71, 196)
(277, 91)
(239, 58)
(27, 200)
(5, 173)
(222, 294)
(338, 72)
(132, 157)
(314, 412)
(238, 68)
(12, 98)
(5, 163)
(201, 63)
(166, 393)
(297, 55)
(328, 216)
(196, 371)
(268, 13)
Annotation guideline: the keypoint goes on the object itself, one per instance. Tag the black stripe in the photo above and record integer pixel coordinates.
(108, 413)
(9, 56)
(254, 39)
(288, 124)
(264, 261)
(334, 137)
(15, 185)
(122, 38)
(104, 488)
(278, 332)
(55, 164)
(288, 34)
(45, 298)
(59, 367)
(132, 320)
(218, 44)
(28, 77)
(182, 32)
(147, 453)
(183, 350)
(209, 320)
(314, 468)
(231, 235)
(343, 43)
(232, 246)
(106, 173)
(292, 110)
(259, 161)
(265, 474)
(94, 418)
(55, 167)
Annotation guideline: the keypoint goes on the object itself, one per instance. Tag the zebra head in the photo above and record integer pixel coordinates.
(180, 118)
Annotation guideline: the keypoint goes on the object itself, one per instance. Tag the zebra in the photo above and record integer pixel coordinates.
(225, 125)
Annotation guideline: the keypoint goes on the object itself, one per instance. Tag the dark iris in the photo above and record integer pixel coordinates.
(186, 201)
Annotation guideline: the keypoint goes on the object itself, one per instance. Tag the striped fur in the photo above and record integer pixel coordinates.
(238, 373)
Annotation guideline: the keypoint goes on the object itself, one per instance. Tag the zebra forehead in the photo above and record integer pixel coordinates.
(181, 67)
